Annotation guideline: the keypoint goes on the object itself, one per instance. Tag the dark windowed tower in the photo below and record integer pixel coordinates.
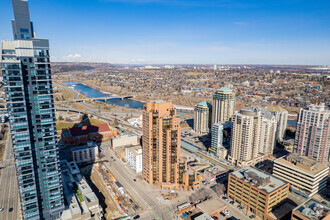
(26, 71)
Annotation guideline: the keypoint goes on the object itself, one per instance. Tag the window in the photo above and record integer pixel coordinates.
(25, 36)
(23, 30)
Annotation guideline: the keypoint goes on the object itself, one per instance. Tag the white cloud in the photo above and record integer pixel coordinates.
(72, 57)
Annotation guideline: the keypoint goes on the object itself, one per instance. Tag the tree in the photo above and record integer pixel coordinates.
(220, 189)
(60, 118)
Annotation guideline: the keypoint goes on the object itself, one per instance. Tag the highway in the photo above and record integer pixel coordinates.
(146, 196)
(9, 197)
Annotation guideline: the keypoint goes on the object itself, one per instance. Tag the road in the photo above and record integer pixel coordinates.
(146, 196)
(9, 197)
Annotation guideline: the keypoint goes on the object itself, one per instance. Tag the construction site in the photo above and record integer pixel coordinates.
(120, 204)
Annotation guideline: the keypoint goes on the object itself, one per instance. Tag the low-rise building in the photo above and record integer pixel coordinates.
(85, 154)
(124, 140)
(134, 158)
(82, 203)
(307, 177)
(83, 134)
(257, 191)
(211, 207)
(312, 209)
(216, 172)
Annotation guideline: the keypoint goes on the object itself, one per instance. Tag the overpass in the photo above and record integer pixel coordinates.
(105, 99)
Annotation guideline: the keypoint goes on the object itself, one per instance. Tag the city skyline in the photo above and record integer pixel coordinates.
(182, 32)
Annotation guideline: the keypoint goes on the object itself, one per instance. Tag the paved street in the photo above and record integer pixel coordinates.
(9, 197)
(147, 197)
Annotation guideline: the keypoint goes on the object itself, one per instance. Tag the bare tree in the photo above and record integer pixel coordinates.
(220, 189)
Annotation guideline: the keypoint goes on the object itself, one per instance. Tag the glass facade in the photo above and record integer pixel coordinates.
(29, 95)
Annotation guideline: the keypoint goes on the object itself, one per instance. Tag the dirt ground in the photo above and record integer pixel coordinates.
(111, 211)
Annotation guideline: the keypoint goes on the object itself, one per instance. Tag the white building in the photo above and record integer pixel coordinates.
(306, 176)
(134, 158)
(282, 120)
(85, 154)
(202, 117)
(124, 140)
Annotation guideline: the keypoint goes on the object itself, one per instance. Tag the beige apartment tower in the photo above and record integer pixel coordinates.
(224, 101)
(202, 117)
(282, 120)
(253, 136)
(161, 160)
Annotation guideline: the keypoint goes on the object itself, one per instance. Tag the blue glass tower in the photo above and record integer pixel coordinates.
(26, 71)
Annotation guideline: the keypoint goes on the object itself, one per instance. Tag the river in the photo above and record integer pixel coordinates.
(94, 93)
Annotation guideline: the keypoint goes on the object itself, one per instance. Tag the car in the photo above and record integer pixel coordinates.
(187, 213)
(1, 209)
(134, 180)
(190, 212)
(224, 197)
(232, 202)
(11, 209)
(227, 212)
(240, 207)
(215, 217)
(252, 216)
(184, 215)
(136, 217)
(223, 214)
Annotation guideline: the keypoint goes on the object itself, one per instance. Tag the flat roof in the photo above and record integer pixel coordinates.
(259, 179)
(210, 206)
(314, 209)
(316, 167)
(135, 150)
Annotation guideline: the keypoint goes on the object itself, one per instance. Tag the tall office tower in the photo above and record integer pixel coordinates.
(282, 120)
(219, 130)
(161, 160)
(202, 117)
(313, 133)
(253, 135)
(224, 101)
(27, 76)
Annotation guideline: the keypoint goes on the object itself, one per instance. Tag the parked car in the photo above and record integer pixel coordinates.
(1, 209)
(11, 209)
(252, 216)
(240, 207)
(227, 212)
(215, 217)
(223, 214)
(136, 217)
(224, 197)
(184, 215)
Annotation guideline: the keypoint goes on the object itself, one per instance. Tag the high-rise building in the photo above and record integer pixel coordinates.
(282, 120)
(253, 135)
(217, 137)
(161, 135)
(26, 70)
(224, 101)
(313, 133)
(202, 117)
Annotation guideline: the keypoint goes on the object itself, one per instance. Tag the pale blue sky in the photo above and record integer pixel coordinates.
(181, 31)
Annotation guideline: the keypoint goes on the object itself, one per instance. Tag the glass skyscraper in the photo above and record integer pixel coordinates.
(26, 71)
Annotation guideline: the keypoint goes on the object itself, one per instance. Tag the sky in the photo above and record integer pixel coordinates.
(181, 31)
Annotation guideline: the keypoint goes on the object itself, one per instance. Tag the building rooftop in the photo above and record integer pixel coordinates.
(314, 209)
(210, 206)
(204, 104)
(302, 163)
(85, 130)
(225, 89)
(137, 150)
(259, 179)
(255, 109)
